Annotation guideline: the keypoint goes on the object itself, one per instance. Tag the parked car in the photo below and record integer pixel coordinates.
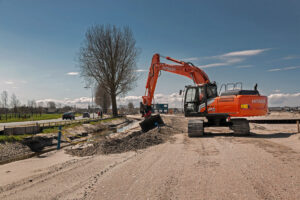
(86, 114)
(68, 115)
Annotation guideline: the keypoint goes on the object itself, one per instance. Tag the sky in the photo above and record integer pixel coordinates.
(252, 42)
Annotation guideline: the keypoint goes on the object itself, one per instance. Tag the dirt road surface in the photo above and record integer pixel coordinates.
(265, 165)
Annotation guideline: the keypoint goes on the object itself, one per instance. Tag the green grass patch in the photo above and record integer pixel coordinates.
(13, 118)
(55, 129)
(12, 138)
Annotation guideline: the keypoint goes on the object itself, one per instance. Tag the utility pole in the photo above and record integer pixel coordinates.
(92, 104)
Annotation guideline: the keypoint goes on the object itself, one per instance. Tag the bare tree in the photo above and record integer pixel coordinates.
(102, 98)
(130, 107)
(108, 57)
(40, 107)
(4, 99)
(40, 104)
(32, 106)
(14, 103)
(51, 105)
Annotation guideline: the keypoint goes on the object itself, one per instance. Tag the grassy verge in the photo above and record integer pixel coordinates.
(11, 118)
(55, 129)
(12, 138)
(15, 138)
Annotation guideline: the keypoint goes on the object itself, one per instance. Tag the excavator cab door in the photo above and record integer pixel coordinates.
(191, 100)
(197, 97)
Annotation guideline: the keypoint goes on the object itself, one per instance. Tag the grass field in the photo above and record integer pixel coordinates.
(11, 117)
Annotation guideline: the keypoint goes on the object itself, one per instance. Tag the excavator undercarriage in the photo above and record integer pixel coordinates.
(240, 126)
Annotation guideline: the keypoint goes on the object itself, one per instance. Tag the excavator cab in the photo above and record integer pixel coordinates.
(196, 98)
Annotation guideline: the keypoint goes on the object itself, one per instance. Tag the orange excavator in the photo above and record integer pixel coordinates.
(202, 100)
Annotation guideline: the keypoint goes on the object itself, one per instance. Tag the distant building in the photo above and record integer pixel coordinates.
(160, 108)
(51, 110)
(285, 108)
(275, 108)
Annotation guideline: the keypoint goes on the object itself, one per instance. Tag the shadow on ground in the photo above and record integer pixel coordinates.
(252, 135)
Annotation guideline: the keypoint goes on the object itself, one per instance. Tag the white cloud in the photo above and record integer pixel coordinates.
(174, 100)
(283, 69)
(244, 66)
(72, 73)
(232, 58)
(277, 90)
(214, 65)
(244, 53)
(274, 70)
(282, 99)
(141, 70)
(190, 59)
(226, 62)
(79, 102)
(290, 57)
(9, 82)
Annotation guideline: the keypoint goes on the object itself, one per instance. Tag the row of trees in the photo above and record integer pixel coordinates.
(12, 107)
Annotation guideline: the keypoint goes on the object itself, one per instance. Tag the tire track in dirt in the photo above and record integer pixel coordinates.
(267, 172)
(49, 173)
(78, 173)
(89, 183)
(284, 153)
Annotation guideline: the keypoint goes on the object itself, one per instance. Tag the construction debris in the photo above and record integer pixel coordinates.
(135, 141)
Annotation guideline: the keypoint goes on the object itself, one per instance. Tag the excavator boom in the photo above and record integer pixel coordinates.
(182, 68)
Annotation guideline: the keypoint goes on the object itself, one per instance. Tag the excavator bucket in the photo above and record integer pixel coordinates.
(151, 122)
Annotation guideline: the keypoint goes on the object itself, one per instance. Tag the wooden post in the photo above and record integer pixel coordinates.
(298, 126)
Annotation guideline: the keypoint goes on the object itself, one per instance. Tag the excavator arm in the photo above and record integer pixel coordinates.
(182, 68)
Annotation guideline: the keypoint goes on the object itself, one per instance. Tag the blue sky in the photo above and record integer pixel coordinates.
(252, 42)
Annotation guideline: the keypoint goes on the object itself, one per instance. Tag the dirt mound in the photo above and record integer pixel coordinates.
(10, 150)
(135, 141)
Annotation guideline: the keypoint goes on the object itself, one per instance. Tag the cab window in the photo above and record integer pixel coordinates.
(191, 95)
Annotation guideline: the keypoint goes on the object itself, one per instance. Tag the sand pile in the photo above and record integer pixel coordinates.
(135, 141)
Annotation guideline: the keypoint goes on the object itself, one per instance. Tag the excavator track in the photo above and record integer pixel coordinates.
(195, 128)
(240, 126)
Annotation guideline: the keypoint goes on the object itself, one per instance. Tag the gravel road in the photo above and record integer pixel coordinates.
(265, 165)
